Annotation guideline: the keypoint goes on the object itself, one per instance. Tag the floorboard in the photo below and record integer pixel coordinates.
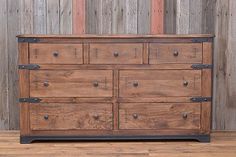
(222, 144)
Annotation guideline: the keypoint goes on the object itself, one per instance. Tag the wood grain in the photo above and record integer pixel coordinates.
(131, 16)
(159, 116)
(175, 53)
(170, 17)
(81, 83)
(144, 16)
(116, 53)
(65, 16)
(157, 17)
(53, 17)
(56, 53)
(144, 83)
(83, 116)
(39, 17)
(78, 7)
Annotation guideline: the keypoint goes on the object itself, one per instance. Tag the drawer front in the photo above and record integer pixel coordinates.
(116, 54)
(175, 53)
(57, 116)
(159, 116)
(159, 83)
(71, 83)
(56, 53)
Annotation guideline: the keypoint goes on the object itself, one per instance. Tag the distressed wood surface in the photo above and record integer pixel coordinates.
(78, 16)
(53, 17)
(65, 16)
(157, 17)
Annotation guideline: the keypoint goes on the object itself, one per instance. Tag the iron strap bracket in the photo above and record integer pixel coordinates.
(201, 99)
(201, 66)
(29, 66)
(30, 100)
(201, 40)
(28, 40)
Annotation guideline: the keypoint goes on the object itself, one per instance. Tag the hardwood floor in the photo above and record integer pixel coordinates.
(223, 144)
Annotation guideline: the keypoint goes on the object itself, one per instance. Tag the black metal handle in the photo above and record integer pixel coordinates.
(176, 53)
(55, 53)
(135, 84)
(135, 116)
(46, 117)
(116, 54)
(185, 115)
(95, 83)
(185, 83)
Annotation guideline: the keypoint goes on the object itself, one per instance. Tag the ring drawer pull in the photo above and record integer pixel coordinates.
(55, 54)
(46, 84)
(135, 84)
(95, 84)
(185, 83)
(176, 53)
(135, 116)
(116, 54)
(46, 117)
(185, 115)
(96, 116)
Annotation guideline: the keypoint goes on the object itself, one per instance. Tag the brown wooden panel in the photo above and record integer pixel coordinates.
(159, 116)
(71, 83)
(159, 83)
(116, 53)
(56, 53)
(58, 116)
(175, 53)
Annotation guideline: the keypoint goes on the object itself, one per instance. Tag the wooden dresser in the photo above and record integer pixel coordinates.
(115, 87)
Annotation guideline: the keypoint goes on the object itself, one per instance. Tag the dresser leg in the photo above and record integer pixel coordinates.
(26, 139)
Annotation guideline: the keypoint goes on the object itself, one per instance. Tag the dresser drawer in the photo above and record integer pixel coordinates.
(71, 83)
(159, 116)
(175, 53)
(56, 53)
(116, 53)
(159, 83)
(57, 116)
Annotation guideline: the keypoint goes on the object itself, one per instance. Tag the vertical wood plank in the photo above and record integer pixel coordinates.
(13, 24)
(208, 16)
(40, 19)
(65, 17)
(53, 16)
(144, 16)
(78, 16)
(157, 17)
(195, 16)
(170, 17)
(182, 17)
(4, 106)
(24, 88)
(116, 95)
(206, 89)
(131, 17)
(106, 16)
(26, 16)
(118, 17)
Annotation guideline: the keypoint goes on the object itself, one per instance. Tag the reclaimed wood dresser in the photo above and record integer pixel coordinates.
(124, 87)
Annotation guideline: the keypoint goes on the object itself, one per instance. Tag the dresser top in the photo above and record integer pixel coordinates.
(127, 36)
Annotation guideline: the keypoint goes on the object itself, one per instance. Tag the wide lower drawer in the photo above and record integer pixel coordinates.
(56, 53)
(57, 116)
(159, 83)
(116, 53)
(175, 53)
(71, 83)
(159, 116)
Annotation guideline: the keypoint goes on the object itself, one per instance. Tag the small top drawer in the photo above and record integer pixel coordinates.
(116, 53)
(56, 53)
(175, 53)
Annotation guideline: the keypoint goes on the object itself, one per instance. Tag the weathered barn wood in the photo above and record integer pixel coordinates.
(120, 16)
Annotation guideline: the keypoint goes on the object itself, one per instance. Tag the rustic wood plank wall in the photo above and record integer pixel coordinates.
(121, 16)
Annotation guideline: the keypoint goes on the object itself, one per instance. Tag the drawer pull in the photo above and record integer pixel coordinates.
(176, 53)
(116, 54)
(135, 116)
(96, 117)
(185, 83)
(95, 83)
(55, 54)
(45, 84)
(46, 117)
(185, 115)
(135, 84)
